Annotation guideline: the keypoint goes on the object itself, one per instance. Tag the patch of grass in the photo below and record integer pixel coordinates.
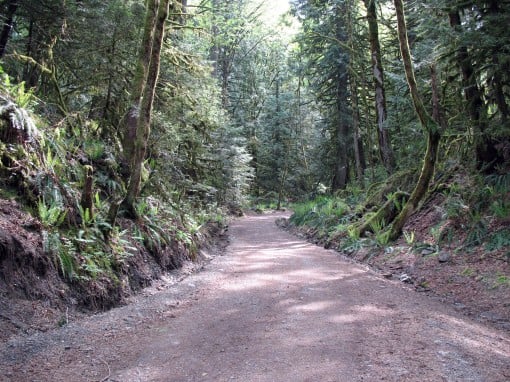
(502, 280)
(468, 272)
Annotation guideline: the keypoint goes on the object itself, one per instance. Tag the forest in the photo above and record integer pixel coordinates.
(131, 130)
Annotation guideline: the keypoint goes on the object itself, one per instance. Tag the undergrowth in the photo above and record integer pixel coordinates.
(66, 175)
(474, 213)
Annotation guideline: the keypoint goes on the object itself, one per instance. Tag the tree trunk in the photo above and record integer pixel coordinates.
(12, 6)
(145, 109)
(87, 196)
(385, 150)
(281, 186)
(129, 123)
(300, 135)
(430, 127)
(340, 142)
(497, 81)
(341, 134)
(359, 158)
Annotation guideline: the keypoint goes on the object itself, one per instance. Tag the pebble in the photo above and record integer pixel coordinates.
(444, 257)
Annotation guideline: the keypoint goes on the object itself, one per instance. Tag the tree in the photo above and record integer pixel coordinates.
(480, 45)
(11, 7)
(431, 128)
(324, 41)
(137, 122)
(359, 156)
(385, 149)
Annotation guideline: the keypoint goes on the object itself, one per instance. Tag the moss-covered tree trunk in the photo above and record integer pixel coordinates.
(129, 123)
(145, 110)
(430, 127)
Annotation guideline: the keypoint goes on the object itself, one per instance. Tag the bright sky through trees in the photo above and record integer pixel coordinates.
(273, 9)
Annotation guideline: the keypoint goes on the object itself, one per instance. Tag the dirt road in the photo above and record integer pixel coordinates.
(273, 308)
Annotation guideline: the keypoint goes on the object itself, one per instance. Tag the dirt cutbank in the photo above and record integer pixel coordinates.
(34, 296)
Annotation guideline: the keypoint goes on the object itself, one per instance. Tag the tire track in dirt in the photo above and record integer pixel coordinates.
(273, 308)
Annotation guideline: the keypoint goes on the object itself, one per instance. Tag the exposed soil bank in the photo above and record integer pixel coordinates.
(34, 294)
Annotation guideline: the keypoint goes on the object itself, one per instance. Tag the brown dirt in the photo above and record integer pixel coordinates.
(473, 280)
(273, 308)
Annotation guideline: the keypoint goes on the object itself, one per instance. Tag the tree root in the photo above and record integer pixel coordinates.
(384, 215)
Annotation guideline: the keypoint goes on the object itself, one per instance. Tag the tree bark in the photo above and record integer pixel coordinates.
(129, 123)
(359, 157)
(497, 80)
(12, 6)
(341, 139)
(385, 150)
(341, 134)
(87, 196)
(430, 127)
(145, 109)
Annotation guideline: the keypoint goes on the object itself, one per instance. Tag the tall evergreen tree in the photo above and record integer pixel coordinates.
(324, 40)
(385, 149)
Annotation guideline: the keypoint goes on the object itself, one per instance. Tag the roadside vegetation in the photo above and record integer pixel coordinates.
(470, 212)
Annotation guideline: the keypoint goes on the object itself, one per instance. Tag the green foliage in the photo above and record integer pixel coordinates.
(353, 232)
(498, 240)
(51, 215)
(378, 228)
(94, 149)
(56, 246)
(500, 182)
(501, 280)
(67, 256)
(21, 97)
(409, 237)
(325, 211)
(352, 245)
(468, 272)
(376, 225)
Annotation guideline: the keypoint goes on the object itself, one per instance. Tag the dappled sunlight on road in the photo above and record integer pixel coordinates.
(360, 313)
(285, 310)
(312, 306)
(475, 336)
